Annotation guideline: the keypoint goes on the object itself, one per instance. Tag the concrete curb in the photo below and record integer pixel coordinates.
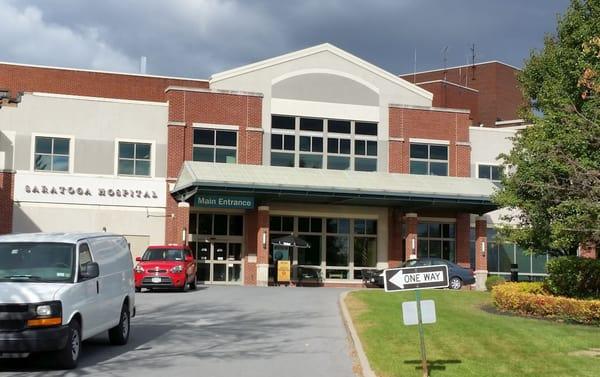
(362, 357)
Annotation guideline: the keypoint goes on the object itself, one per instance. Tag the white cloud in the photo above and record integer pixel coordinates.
(28, 38)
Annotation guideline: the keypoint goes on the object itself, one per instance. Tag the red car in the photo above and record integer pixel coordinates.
(165, 267)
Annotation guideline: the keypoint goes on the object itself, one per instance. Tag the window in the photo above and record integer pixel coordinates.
(429, 159)
(85, 257)
(437, 240)
(215, 146)
(283, 150)
(134, 158)
(52, 154)
(366, 155)
(207, 224)
(338, 153)
(311, 148)
(492, 172)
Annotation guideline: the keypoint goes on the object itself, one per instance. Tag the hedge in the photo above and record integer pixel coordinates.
(532, 299)
(574, 277)
(494, 280)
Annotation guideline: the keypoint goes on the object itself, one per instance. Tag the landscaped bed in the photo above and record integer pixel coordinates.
(470, 338)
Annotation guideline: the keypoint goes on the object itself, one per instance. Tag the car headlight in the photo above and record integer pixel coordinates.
(46, 314)
(138, 269)
(177, 269)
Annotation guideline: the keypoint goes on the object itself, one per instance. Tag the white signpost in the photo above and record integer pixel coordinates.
(417, 278)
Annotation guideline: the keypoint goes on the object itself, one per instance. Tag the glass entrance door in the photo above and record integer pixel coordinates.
(219, 262)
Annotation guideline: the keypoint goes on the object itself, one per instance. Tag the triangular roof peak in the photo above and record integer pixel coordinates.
(328, 47)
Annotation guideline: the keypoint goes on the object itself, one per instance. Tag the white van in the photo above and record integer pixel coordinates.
(57, 289)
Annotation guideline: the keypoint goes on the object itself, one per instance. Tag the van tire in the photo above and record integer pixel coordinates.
(68, 357)
(119, 335)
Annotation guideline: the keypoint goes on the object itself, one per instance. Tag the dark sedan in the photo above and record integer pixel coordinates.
(457, 275)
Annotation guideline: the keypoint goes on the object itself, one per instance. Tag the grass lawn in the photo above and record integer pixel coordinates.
(466, 340)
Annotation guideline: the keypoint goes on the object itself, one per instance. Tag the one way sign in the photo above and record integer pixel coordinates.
(409, 278)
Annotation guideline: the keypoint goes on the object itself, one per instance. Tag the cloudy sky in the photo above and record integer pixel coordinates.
(196, 38)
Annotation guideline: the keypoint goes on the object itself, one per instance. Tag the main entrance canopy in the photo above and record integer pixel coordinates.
(267, 184)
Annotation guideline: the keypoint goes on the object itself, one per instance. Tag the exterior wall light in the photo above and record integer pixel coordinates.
(264, 239)
(184, 235)
(483, 248)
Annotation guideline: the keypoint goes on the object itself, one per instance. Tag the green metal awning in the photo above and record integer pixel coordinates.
(283, 184)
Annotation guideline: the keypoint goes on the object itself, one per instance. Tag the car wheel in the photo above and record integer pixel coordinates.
(119, 335)
(183, 288)
(68, 357)
(193, 284)
(455, 283)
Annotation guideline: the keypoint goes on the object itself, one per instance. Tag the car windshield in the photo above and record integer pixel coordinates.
(163, 254)
(37, 262)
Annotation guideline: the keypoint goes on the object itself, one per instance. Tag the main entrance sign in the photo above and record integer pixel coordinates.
(217, 201)
(409, 278)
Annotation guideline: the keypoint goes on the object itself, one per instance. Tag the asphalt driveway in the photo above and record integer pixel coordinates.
(220, 331)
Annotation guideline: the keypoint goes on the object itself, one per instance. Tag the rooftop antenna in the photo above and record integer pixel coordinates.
(143, 65)
(445, 59)
(473, 56)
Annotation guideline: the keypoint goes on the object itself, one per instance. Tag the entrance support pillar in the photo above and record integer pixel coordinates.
(412, 222)
(262, 246)
(395, 257)
(182, 221)
(481, 250)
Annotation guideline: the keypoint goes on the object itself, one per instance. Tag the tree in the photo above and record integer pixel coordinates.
(553, 170)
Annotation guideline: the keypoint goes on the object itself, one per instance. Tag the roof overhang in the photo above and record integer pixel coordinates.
(269, 184)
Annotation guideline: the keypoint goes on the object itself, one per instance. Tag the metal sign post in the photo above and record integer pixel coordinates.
(421, 334)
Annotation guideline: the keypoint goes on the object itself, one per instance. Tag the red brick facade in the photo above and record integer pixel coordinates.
(6, 201)
(499, 96)
(449, 125)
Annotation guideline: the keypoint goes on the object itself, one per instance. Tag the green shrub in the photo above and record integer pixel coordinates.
(532, 299)
(574, 277)
(493, 280)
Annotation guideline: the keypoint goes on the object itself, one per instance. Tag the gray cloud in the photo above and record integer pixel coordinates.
(199, 37)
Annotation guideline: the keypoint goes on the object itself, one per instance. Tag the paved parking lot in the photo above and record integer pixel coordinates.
(220, 331)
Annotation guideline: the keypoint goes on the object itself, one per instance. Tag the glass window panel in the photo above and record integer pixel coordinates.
(282, 159)
(235, 251)
(126, 150)
(203, 272)
(365, 252)
(344, 146)
(234, 272)
(422, 230)
(435, 230)
(359, 226)
(304, 224)
(226, 155)
(438, 152)
(523, 260)
(435, 248)
(276, 141)
(332, 225)
(287, 223)
(317, 144)
(418, 167)
(336, 274)
(438, 168)
(203, 154)
(142, 167)
(311, 161)
(422, 248)
(203, 251)
(206, 137)
(61, 146)
(506, 256)
(305, 143)
(43, 144)
(448, 230)
(193, 223)
(360, 147)
(332, 145)
(310, 256)
(338, 163)
(363, 128)
(492, 257)
(343, 226)
(283, 122)
(236, 225)
(371, 148)
(275, 223)
(337, 250)
(220, 225)
(496, 173)
(418, 151)
(449, 250)
(226, 138)
(142, 151)
(204, 224)
(365, 164)
(289, 142)
(60, 163)
(538, 265)
(371, 226)
(339, 126)
(316, 225)
(219, 272)
(484, 171)
(311, 124)
(126, 167)
(43, 162)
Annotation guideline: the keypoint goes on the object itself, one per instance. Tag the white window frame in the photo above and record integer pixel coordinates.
(490, 165)
(138, 141)
(71, 153)
(429, 160)
(216, 128)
